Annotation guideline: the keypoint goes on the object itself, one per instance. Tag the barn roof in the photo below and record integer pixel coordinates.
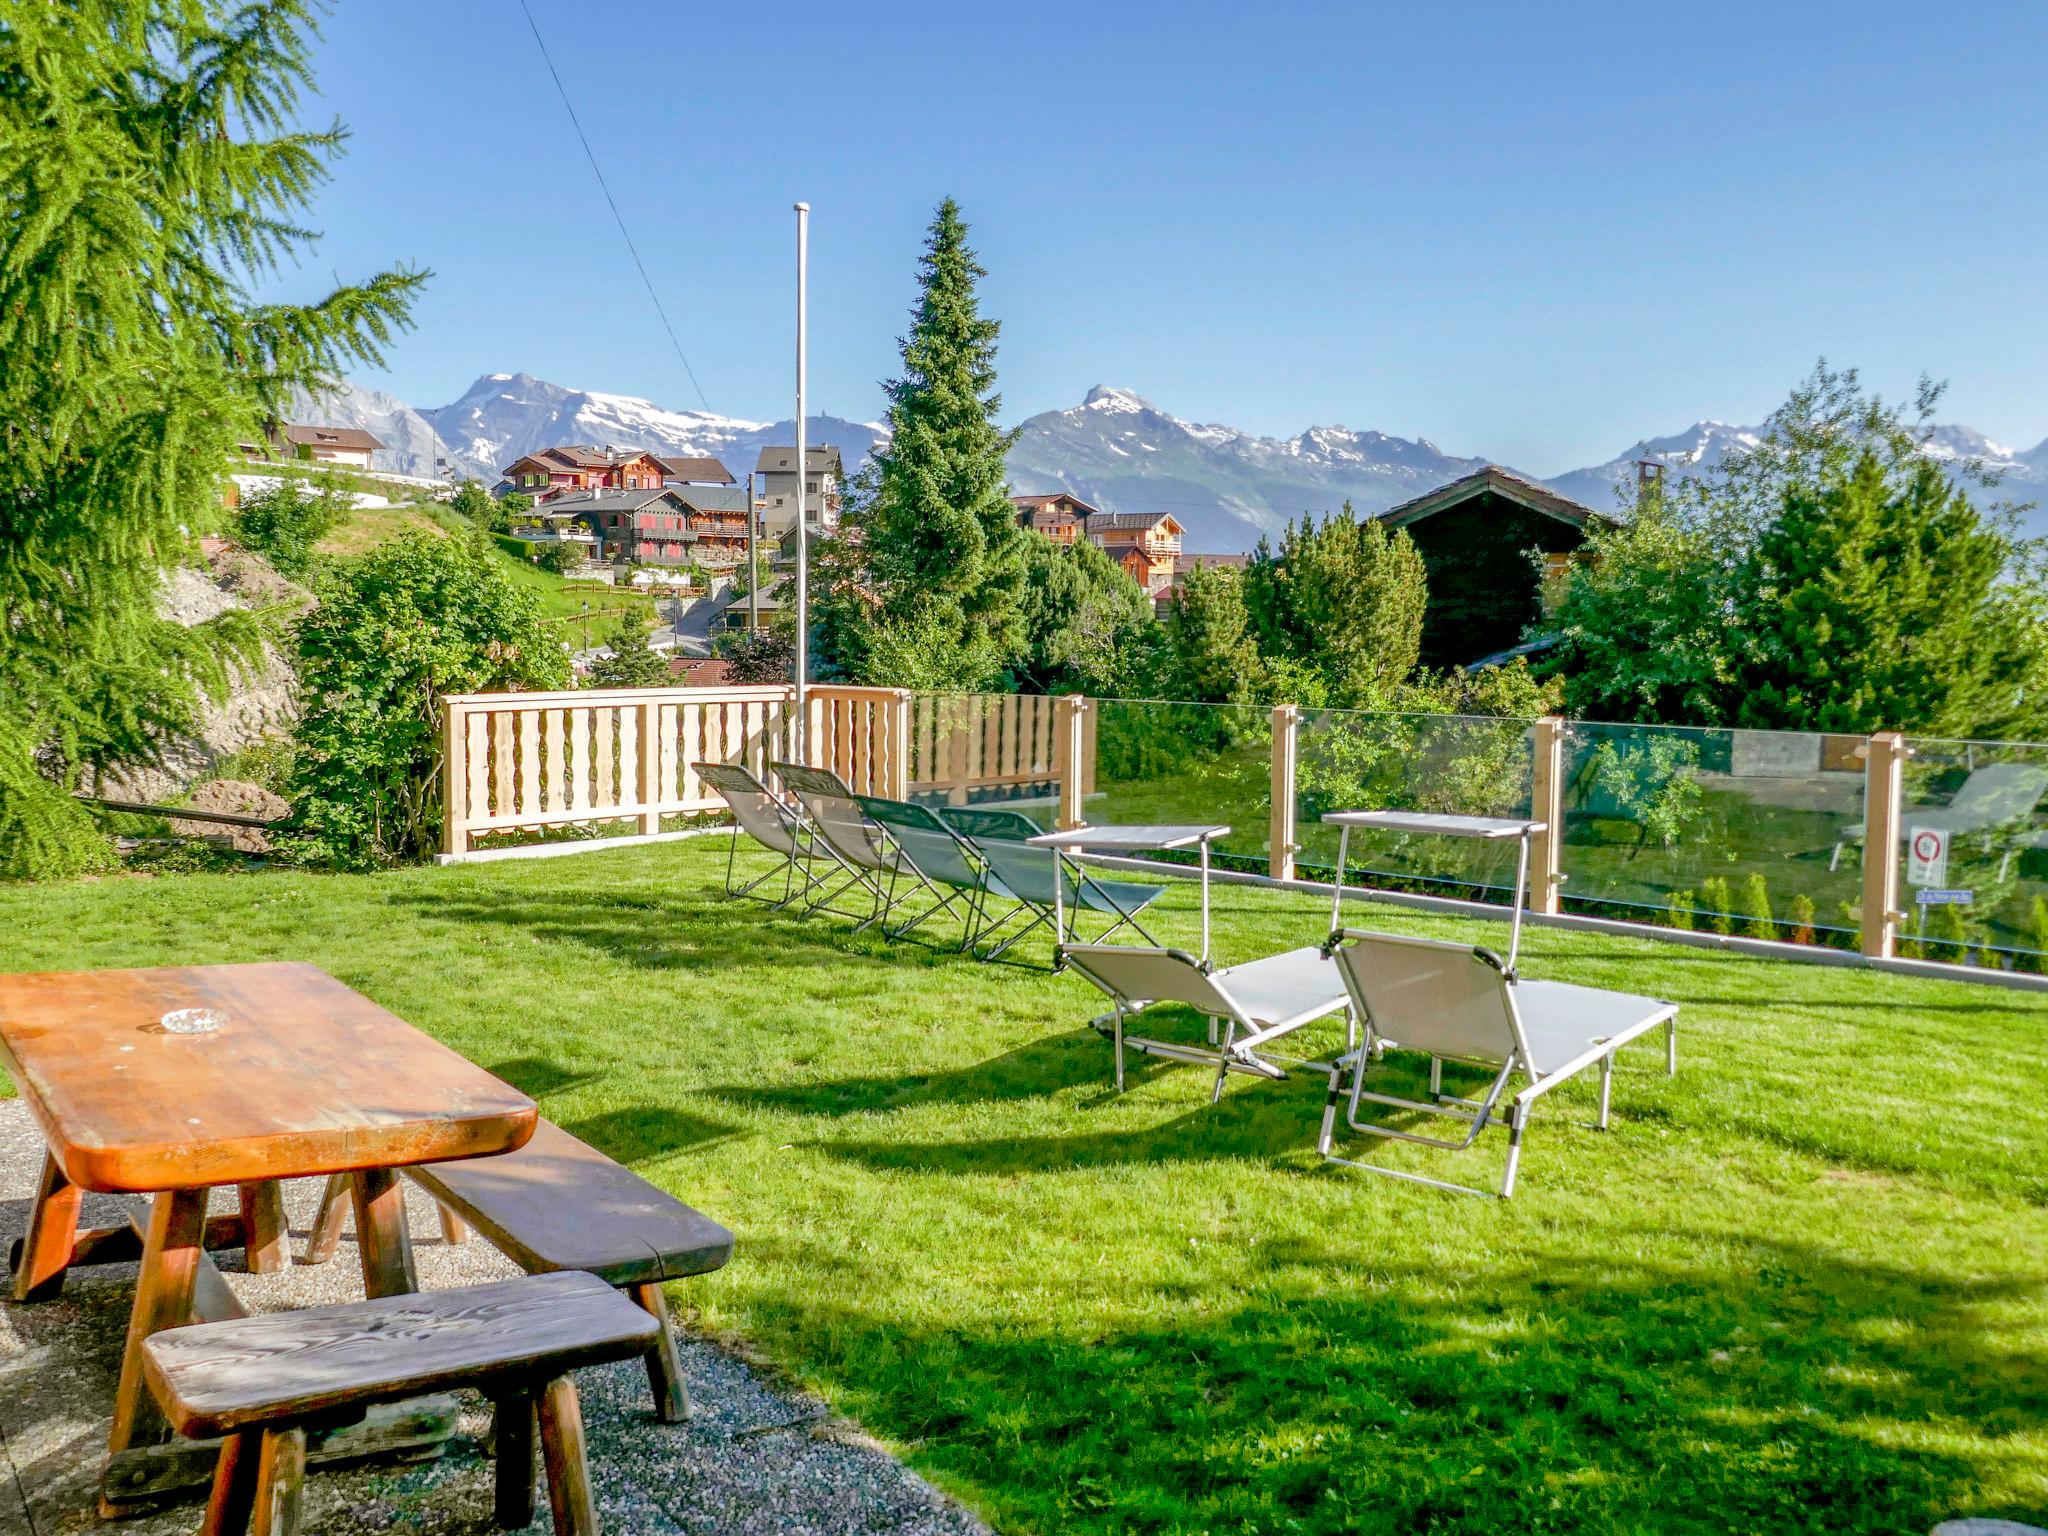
(1500, 482)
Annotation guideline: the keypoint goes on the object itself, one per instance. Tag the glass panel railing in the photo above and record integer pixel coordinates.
(1473, 765)
(1973, 853)
(1737, 832)
(1151, 762)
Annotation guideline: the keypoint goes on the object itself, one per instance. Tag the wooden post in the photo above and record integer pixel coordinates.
(1070, 735)
(1280, 837)
(1546, 804)
(895, 778)
(650, 764)
(1883, 758)
(454, 778)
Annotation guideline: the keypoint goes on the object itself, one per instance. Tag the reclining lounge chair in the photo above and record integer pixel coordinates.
(1249, 1005)
(1026, 876)
(769, 822)
(1459, 1002)
(932, 852)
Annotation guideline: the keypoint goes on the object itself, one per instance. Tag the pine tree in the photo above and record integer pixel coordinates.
(149, 175)
(1343, 598)
(1876, 600)
(939, 538)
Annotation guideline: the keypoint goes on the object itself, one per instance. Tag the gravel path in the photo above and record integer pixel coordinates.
(755, 1458)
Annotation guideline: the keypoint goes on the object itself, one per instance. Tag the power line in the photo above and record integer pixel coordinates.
(617, 217)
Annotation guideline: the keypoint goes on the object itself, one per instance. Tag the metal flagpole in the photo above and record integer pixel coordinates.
(753, 567)
(803, 532)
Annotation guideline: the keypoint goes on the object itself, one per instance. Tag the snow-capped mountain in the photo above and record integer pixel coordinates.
(504, 415)
(2022, 476)
(410, 447)
(1118, 451)
(1115, 449)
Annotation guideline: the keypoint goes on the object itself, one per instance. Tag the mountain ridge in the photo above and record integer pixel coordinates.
(1116, 449)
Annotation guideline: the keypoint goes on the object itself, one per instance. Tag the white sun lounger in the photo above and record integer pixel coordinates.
(1248, 1005)
(1459, 1002)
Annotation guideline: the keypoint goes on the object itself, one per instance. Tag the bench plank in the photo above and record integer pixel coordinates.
(292, 1366)
(558, 1203)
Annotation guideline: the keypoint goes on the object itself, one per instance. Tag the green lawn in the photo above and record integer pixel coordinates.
(1799, 1288)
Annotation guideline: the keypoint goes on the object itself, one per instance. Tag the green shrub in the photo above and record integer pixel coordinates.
(1799, 913)
(284, 522)
(1717, 904)
(1683, 905)
(562, 556)
(1756, 906)
(416, 618)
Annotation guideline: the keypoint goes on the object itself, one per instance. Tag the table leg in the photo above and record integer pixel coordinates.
(1205, 903)
(173, 1251)
(266, 1245)
(52, 1234)
(382, 1237)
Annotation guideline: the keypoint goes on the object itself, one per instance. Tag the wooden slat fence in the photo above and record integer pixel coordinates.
(960, 743)
(529, 762)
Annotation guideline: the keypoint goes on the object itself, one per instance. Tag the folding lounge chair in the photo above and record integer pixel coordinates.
(769, 822)
(934, 853)
(1025, 875)
(1255, 1003)
(863, 852)
(1462, 1003)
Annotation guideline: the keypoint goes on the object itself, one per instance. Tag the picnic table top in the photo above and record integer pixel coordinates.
(1114, 836)
(305, 1076)
(1442, 824)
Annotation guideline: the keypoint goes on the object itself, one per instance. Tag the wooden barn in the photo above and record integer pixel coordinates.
(1476, 537)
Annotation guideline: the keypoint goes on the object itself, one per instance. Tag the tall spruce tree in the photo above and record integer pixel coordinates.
(149, 174)
(939, 539)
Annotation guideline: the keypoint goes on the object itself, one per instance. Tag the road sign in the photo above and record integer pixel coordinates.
(1933, 898)
(1926, 855)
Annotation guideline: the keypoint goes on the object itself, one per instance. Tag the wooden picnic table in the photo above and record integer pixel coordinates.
(303, 1077)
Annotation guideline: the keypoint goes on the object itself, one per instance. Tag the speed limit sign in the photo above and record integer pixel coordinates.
(1927, 856)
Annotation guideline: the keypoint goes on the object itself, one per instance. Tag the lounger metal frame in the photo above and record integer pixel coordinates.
(797, 859)
(964, 894)
(860, 869)
(994, 823)
(1477, 1114)
(1207, 992)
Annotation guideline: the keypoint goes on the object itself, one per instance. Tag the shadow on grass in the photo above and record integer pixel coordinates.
(648, 1132)
(1774, 1389)
(690, 931)
(1034, 1070)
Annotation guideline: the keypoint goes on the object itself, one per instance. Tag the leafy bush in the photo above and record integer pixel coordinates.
(765, 658)
(1799, 913)
(284, 522)
(1756, 906)
(562, 556)
(413, 619)
(1716, 904)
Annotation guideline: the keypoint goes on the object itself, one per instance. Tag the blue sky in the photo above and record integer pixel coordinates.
(1535, 232)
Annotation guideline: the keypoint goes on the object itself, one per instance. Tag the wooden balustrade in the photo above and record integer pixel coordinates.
(528, 762)
(963, 742)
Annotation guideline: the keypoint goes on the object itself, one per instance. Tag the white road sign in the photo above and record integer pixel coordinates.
(1926, 856)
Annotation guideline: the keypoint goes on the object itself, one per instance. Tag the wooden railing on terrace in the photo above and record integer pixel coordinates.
(531, 762)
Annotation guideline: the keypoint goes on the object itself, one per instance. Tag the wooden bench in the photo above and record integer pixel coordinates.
(560, 1204)
(263, 1381)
